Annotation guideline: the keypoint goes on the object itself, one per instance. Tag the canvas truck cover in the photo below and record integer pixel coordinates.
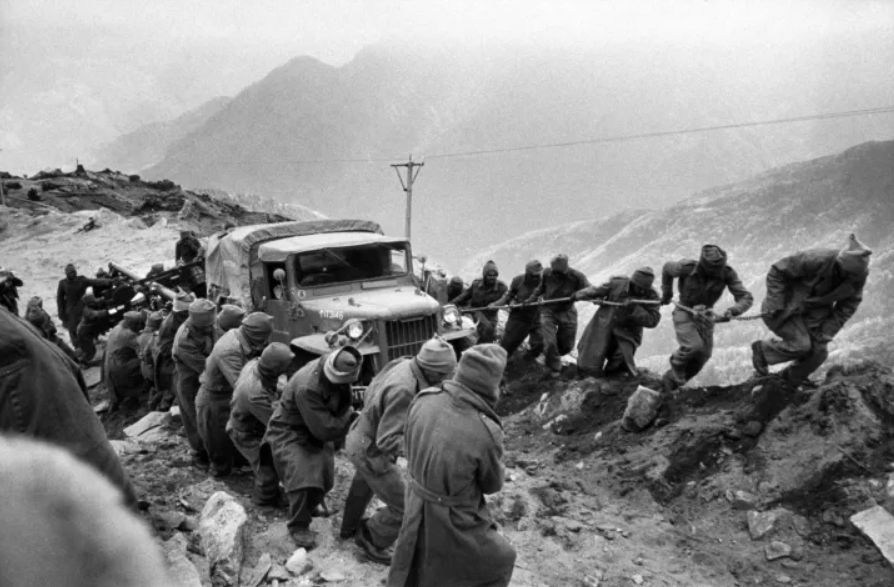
(231, 261)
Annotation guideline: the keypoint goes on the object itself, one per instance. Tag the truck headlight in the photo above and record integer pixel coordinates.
(354, 329)
(452, 315)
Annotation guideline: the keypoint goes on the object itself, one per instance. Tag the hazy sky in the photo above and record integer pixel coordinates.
(334, 30)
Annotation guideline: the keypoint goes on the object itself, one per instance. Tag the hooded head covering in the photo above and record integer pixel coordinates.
(559, 263)
(854, 257)
(35, 302)
(70, 268)
(275, 360)
(202, 313)
(437, 355)
(230, 317)
(712, 259)
(89, 299)
(134, 320)
(343, 366)
(643, 278)
(101, 272)
(257, 328)
(490, 266)
(182, 301)
(153, 322)
(481, 370)
(534, 267)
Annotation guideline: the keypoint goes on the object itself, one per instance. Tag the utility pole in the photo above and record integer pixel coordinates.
(408, 186)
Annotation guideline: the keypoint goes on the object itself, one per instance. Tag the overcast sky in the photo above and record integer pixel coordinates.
(334, 30)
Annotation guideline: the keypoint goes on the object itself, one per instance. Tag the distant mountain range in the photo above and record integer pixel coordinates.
(148, 144)
(304, 132)
(758, 221)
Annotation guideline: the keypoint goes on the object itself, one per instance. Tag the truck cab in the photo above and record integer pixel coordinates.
(328, 283)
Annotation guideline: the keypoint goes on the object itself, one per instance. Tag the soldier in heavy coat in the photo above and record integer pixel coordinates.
(192, 347)
(162, 358)
(9, 290)
(810, 297)
(69, 299)
(454, 442)
(558, 322)
(43, 396)
(610, 340)
(482, 293)
(254, 397)
(122, 370)
(314, 412)
(701, 283)
(222, 369)
(523, 322)
(40, 319)
(376, 441)
(146, 340)
(94, 320)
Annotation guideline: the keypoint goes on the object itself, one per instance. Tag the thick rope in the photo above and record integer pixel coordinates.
(720, 319)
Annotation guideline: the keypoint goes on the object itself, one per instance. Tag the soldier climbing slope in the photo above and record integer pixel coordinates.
(611, 338)
(700, 283)
(483, 292)
(523, 322)
(810, 297)
(559, 320)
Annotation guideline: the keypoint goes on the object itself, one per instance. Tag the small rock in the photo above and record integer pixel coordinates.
(181, 570)
(332, 576)
(278, 572)
(166, 521)
(760, 524)
(175, 414)
(261, 570)
(642, 407)
(297, 563)
(776, 550)
(752, 428)
(590, 581)
(147, 423)
(579, 466)
(742, 500)
(101, 407)
(638, 579)
(222, 530)
(801, 525)
(189, 524)
(597, 437)
(783, 578)
(877, 525)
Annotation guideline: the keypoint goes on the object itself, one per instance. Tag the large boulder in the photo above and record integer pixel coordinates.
(181, 570)
(222, 529)
(147, 423)
(642, 408)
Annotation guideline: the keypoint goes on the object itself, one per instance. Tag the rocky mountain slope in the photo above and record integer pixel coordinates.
(147, 145)
(289, 135)
(811, 204)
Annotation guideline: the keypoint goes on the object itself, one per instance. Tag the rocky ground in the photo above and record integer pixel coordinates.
(752, 484)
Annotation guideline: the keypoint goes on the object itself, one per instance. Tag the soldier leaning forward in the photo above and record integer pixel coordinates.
(482, 293)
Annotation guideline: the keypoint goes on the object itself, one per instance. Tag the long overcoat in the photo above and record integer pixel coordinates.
(312, 414)
(808, 284)
(454, 454)
(624, 323)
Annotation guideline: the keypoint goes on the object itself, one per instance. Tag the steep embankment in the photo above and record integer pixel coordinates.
(805, 205)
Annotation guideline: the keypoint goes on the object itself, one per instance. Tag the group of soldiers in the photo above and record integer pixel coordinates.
(810, 296)
(427, 440)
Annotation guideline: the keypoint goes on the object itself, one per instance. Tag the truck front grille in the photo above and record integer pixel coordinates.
(406, 337)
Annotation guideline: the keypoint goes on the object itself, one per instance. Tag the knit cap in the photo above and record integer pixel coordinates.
(154, 320)
(230, 317)
(488, 267)
(88, 299)
(182, 301)
(276, 358)
(437, 355)
(559, 263)
(202, 313)
(257, 327)
(158, 267)
(481, 370)
(135, 320)
(643, 278)
(854, 257)
(343, 366)
(534, 266)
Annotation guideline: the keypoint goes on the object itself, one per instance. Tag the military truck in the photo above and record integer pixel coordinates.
(328, 283)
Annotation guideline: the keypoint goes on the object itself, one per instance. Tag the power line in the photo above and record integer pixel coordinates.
(596, 140)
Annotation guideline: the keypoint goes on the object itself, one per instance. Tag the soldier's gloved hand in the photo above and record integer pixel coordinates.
(666, 299)
(709, 314)
(402, 463)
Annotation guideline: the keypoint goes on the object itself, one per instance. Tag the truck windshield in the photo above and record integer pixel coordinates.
(343, 265)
